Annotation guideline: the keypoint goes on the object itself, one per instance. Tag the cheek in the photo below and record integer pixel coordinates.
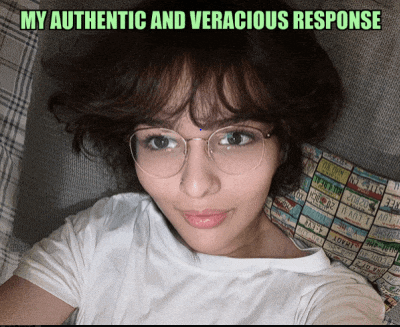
(255, 186)
(259, 181)
(158, 189)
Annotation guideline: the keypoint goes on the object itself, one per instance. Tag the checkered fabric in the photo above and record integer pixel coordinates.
(17, 55)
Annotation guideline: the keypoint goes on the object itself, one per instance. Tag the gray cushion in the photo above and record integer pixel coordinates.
(368, 133)
(55, 182)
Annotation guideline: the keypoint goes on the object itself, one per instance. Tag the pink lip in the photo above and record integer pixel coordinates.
(205, 219)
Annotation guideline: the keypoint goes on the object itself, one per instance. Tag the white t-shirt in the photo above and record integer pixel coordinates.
(119, 263)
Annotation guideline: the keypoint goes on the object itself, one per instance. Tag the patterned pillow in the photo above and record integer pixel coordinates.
(352, 214)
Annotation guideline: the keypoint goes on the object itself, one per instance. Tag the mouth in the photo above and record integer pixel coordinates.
(205, 219)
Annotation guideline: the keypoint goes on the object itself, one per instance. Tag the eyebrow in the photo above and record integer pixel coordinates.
(160, 123)
(214, 125)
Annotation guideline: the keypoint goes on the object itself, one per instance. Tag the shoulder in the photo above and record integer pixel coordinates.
(60, 263)
(107, 218)
(341, 296)
(111, 212)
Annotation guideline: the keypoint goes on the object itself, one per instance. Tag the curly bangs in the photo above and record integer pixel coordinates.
(130, 77)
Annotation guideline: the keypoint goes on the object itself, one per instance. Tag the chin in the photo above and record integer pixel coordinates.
(207, 241)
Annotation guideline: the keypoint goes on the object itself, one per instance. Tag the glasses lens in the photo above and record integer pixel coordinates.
(159, 152)
(237, 149)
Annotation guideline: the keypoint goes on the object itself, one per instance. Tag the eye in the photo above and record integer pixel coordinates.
(160, 142)
(236, 138)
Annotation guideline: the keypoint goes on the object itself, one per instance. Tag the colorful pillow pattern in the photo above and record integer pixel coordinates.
(352, 214)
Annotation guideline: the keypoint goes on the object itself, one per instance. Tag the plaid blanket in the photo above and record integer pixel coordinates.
(17, 55)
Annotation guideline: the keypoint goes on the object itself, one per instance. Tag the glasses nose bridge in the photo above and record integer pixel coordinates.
(206, 146)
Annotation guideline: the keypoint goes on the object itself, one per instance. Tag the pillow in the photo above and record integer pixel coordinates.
(368, 132)
(55, 182)
(352, 214)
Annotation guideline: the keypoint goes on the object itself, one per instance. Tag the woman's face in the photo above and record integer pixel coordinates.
(216, 213)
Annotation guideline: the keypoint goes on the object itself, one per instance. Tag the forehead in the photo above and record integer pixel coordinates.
(187, 128)
(210, 99)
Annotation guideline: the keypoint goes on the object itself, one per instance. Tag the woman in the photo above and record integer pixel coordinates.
(214, 121)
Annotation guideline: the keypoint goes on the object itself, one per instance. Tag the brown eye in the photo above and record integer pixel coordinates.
(160, 142)
(236, 138)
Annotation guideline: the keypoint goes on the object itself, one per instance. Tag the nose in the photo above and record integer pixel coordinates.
(199, 177)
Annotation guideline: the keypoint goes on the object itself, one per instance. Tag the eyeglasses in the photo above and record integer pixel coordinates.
(162, 152)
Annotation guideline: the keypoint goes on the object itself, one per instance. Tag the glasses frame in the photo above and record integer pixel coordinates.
(207, 140)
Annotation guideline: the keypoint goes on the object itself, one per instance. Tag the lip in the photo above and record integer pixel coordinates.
(205, 219)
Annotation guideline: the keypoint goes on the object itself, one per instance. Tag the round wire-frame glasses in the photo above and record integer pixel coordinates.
(162, 152)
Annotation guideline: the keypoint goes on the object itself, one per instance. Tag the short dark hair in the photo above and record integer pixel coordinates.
(127, 78)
